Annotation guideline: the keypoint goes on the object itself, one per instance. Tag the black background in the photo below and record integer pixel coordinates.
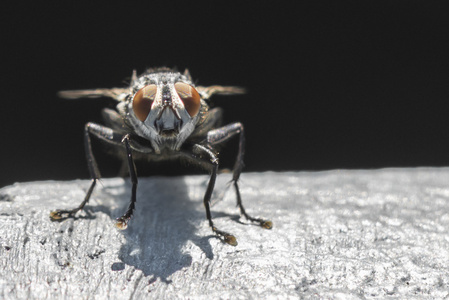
(332, 84)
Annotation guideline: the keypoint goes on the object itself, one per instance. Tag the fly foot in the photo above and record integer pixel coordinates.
(55, 215)
(122, 223)
(267, 224)
(228, 238)
(58, 215)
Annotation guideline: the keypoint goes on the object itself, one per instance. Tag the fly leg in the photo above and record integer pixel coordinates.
(122, 222)
(221, 135)
(104, 133)
(205, 152)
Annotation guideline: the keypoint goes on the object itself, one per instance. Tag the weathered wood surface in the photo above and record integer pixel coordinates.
(337, 234)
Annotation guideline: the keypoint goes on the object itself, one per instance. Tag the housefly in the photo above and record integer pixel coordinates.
(163, 115)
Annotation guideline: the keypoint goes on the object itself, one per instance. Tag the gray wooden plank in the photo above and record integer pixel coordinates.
(337, 234)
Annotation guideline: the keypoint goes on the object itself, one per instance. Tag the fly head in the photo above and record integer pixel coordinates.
(164, 108)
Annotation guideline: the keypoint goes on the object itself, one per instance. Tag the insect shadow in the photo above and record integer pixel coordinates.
(165, 220)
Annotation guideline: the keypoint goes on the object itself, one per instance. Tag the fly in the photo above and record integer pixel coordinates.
(162, 113)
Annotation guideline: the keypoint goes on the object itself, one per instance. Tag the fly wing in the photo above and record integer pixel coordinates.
(207, 92)
(118, 94)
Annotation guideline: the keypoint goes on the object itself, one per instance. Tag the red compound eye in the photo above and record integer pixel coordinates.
(143, 100)
(190, 98)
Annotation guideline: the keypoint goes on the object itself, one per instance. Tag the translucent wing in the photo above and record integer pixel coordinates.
(115, 93)
(207, 92)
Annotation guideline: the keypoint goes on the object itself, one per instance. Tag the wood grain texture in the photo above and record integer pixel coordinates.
(337, 234)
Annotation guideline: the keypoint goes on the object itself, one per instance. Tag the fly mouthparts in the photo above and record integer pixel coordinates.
(169, 133)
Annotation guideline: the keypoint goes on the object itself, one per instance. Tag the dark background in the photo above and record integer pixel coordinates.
(332, 84)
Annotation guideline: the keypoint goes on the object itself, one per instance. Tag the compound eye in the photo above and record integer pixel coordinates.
(143, 100)
(190, 98)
